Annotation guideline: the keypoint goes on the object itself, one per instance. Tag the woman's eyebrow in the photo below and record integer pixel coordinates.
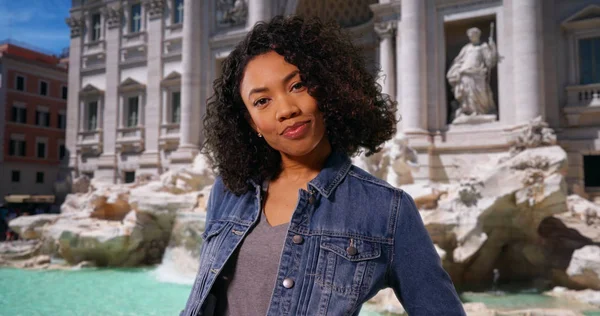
(291, 75)
(285, 80)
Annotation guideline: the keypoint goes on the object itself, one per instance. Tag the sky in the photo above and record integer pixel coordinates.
(38, 23)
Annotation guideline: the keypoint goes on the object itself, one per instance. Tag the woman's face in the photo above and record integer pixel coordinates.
(280, 107)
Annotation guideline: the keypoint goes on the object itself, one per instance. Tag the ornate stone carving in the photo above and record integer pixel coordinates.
(155, 8)
(385, 29)
(469, 77)
(536, 134)
(112, 16)
(232, 12)
(76, 24)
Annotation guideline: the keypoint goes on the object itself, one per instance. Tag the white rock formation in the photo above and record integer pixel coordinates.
(124, 224)
(80, 184)
(30, 227)
(585, 267)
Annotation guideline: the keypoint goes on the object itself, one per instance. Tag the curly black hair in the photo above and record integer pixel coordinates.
(356, 114)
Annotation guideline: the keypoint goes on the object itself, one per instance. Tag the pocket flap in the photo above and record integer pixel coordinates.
(365, 250)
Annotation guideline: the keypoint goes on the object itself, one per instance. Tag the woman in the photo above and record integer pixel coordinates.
(292, 227)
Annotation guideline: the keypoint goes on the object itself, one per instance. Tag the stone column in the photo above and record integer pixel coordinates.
(150, 160)
(165, 106)
(258, 10)
(527, 61)
(82, 123)
(412, 67)
(107, 164)
(190, 84)
(73, 102)
(385, 30)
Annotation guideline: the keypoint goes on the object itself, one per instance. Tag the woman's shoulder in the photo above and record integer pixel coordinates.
(363, 176)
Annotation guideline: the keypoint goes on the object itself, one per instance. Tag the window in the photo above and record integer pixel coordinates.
(43, 88)
(20, 83)
(62, 151)
(19, 114)
(39, 177)
(15, 176)
(177, 11)
(61, 121)
(40, 147)
(17, 146)
(129, 176)
(96, 27)
(64, 92)
(135, 18)
(42, 118)
(132, 111)
(175, 107)
(591, 171)
(589, 60)
(92, 116)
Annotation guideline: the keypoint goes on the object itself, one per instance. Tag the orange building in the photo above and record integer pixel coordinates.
(33, 101)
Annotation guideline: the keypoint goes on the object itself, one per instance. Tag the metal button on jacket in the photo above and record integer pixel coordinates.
(352, 251)
(297, 239)
(288, 283)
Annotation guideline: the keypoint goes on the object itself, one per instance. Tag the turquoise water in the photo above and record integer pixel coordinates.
(138, 292)
(89, 292)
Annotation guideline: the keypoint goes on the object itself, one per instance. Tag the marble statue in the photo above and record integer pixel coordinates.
(469, 77)
(232, 12)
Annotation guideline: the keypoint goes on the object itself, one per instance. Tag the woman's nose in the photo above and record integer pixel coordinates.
(287, 109)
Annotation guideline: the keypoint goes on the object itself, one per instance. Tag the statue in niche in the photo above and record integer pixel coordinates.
(232, 12)
(469, 77)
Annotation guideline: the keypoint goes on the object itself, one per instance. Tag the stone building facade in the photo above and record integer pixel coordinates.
(141, 70)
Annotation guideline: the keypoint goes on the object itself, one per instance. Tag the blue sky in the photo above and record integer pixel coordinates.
(40, 23)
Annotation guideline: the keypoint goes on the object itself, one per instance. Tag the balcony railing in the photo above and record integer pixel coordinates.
(582, 99)
(90, 142)
(130, 139)
(582, 95)
(169, 136)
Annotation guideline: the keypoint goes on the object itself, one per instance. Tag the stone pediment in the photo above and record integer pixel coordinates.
(90, 89)
(130, 84)
(589, 17)
(174, 78)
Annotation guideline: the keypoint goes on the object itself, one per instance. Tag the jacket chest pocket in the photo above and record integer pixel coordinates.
(345, 265)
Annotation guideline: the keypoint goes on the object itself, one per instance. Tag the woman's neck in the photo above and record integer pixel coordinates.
(304, 168)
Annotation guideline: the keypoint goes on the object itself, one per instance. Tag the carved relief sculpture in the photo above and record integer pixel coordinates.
(76, 25)
(112, 15)
(231, 12)
(469, 77)
(155, 8)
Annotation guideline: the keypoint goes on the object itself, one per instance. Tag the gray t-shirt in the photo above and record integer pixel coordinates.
(250, 286)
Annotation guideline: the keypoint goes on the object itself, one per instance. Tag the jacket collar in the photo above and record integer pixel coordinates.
(335, 169)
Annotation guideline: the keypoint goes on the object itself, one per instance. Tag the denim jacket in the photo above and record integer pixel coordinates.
(350, 236)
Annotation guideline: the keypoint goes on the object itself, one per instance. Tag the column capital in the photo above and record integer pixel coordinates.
(112, 16)
(155, 8)
(76, 24)
(385, 29)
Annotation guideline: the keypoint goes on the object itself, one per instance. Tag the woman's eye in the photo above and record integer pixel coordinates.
(298, 86)
(261, 101)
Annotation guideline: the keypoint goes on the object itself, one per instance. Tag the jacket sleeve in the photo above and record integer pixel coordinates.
(415, 270)
(215, 196)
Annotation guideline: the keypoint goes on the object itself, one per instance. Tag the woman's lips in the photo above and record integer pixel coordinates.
(296, 131)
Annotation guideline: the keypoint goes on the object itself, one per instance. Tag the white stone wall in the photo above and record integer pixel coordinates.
(536, 65)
